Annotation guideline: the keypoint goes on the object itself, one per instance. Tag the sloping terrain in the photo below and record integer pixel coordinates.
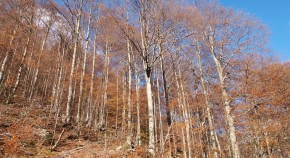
(26, 132)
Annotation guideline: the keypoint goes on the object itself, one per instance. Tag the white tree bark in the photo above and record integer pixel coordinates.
(160, 113)
(4, 62)
(106, 81)
(124, 102)
(19, 72)
(185, 114)
(78, 119)
(138, 134)
(129, 54)
(69, 96)
(213, 140)
(151, 145)
(38, 64)
(90, 99)
(226, 102)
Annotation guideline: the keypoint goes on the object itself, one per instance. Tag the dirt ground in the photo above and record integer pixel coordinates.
(25, 131)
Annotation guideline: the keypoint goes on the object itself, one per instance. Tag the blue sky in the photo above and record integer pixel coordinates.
(275, 14)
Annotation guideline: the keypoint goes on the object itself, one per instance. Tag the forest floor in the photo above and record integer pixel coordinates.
(26, 132)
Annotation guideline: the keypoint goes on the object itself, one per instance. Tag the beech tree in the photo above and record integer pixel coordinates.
(202, 70)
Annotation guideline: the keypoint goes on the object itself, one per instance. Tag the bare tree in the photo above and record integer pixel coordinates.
(78, 16)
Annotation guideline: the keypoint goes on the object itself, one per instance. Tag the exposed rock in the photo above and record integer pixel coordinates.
(41, 132)
(119, 148)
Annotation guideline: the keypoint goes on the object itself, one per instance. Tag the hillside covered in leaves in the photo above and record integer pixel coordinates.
(139, 78)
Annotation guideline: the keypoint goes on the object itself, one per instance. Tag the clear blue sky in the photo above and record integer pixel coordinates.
(275, 14)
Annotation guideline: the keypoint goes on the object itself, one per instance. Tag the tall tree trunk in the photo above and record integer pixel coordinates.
(4, 62)
(147, 67)
(155, 122)
(76, 38)
(138, 134)
(106, 81)
(160, 114)
(151, 145)
(60, 50)
(28, 79)
(19, 72)
(129, 53)
(124, 102)
(117, 108)
(58, 87)
(165, 92)
(78, 119)
(38, 65)
(200, 135)
(226, 102)
(185, 114)
(184, 143)
(90, 99)
(213, 140)
(182, 106)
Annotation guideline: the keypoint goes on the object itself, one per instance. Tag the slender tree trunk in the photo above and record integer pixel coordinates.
(155, 122)
(182, 107)
(168, 113)
(9, 75)
(138, 135)
(160, 114)
(174, 142)
(129, 53)
(124, 103)
(96, 126)
(184, 143)
(147, 67)
(150, 112)
(151, 145)
(38, 64)
(106, 126)
(117, 108)
(58, 88)
(69, 96)
(4, 62)
(27, 79)
(185, 113)
(19, 72)
(106, 80)
(166, 97)
(3, 65)
(230, 122)
(200, 135)
(56, 80)
(78, 120)
(213, 140)
(90, 99)
(226, 102)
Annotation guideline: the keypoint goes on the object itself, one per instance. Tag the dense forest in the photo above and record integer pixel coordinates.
(139, 78)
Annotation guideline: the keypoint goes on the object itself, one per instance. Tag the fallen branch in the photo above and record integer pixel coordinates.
(6, 134)
(66, 153)
(57, 142)
(9, 135)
